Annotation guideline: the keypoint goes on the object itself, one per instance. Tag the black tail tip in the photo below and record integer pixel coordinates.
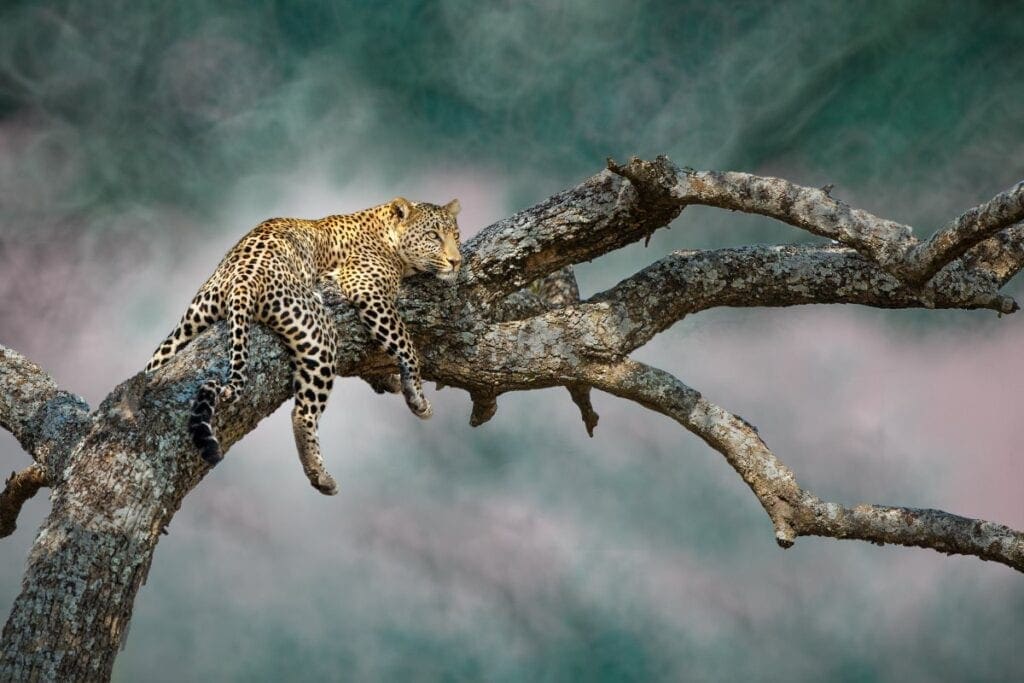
(200, 423)
(209, 448)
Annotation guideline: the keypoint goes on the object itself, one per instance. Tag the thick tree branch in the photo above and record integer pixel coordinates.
(686, 282)
(555, 291)
(46, 420)
(793, 511)
(598, 216)
(631, 201)
(889, 244)
(613, 323)
(811, 209)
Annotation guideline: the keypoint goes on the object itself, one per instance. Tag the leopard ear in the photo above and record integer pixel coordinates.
(401, 207)
(453, 207)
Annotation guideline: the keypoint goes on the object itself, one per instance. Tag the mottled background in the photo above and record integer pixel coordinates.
(138, 140)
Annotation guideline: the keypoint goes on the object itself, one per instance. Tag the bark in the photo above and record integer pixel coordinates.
(514, 321)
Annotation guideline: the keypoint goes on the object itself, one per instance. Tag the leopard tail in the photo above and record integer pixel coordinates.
(200, 422)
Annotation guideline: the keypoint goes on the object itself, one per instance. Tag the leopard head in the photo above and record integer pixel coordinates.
(428, 237)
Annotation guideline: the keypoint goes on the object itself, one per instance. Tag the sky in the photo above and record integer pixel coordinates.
(138, 142)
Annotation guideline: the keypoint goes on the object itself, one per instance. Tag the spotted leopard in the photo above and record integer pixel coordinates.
(271, 277)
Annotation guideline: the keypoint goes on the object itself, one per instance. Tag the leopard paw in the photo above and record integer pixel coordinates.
(324, 483)
(421, 409)
(386, 384)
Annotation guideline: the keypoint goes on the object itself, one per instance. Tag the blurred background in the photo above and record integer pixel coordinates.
(138, 141)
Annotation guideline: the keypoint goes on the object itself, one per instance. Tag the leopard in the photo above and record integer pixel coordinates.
(275, 276)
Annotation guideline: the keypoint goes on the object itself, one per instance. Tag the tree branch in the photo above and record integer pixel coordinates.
(810, 209)
(686, 282)
(947, 533)
(46, 420)
(771, 481)
(1001, 256)
(793, 511)
(890, 244)
(613, 323)
(18, 488)
(629, 202)
(962, 233)
(601, 214)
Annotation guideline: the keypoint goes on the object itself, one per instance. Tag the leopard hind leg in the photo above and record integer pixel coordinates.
(308, 330)
(204, 407)
(240, 314)
(204, 310)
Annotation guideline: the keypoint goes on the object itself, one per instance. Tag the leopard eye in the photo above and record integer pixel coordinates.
(434, 235)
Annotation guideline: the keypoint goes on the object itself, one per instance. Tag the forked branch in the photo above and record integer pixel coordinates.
(966, 230)
(890, 244)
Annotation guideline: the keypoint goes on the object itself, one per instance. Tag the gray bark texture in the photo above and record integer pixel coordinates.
(514, 321)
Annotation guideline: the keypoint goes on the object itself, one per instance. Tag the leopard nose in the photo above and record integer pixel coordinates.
(455, 261)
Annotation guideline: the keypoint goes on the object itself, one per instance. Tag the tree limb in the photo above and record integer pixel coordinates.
(890, 244)
(598, 216)
(18, 488)
(947, 533)
(1001, 256)
(793, 511)
(811, 209)
(46, 420)
(604, 213)
(963, 232)
(687, 282)
(613, 323)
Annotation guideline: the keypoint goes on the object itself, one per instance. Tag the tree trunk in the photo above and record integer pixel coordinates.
(514, 321)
